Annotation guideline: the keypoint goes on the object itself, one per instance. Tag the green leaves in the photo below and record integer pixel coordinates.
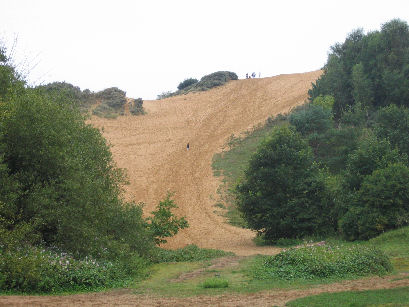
(164, 223)
(281, 194)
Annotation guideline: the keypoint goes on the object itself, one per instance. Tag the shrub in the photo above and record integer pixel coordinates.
(136, 107)
(112, 97)
(164, 223)
(311, 119)
(30, 269)
(186, 83)
(324, 261)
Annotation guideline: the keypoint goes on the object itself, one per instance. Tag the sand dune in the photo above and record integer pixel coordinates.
(153, 150)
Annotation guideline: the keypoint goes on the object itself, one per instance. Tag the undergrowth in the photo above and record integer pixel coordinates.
(37, 270)
(327, 261)
(188, 253)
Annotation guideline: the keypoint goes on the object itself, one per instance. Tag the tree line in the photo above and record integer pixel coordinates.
(340, 166)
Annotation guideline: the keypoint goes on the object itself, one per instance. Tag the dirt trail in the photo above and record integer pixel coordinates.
(153, 150)
(275, 297)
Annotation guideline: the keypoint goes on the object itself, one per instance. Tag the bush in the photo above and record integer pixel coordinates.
(164, 223)
(29, 269)
(311, 262)
(311, 119)
(112, 97)
(186, 83)
(136, 107)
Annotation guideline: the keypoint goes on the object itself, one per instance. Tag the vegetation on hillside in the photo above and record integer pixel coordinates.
(110, 102)
(63, 222)
(206, 83)
(341, 166)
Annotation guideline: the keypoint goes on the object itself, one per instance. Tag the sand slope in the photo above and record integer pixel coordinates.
(153, 150)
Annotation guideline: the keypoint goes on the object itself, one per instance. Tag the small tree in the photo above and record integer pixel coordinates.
(164, 223)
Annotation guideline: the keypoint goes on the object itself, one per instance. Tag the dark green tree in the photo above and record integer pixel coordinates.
(186, 83)
(282, 194)
(381, 204)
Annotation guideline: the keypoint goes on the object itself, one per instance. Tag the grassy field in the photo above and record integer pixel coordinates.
(391, 297)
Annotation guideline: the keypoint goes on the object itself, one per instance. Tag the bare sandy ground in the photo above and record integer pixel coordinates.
(153, 150)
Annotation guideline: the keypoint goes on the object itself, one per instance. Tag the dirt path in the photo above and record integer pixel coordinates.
(259, 299)
(153, 150)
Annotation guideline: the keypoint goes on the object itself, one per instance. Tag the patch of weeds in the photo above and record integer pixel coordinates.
(188, 253)
(215, 282)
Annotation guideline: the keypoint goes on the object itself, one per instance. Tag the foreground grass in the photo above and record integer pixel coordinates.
(390, 297)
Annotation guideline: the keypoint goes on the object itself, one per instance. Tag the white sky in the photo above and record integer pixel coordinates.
(148, 47)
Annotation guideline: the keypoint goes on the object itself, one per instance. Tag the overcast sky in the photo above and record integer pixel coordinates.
(148, 47)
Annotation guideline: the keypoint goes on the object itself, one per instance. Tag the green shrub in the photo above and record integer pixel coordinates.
(188, 253)
(215, 283)
(136, 107)
(113, 97)
(324, 261)
(164, 223)
(186, 83)
(29, 269)
(311, 119)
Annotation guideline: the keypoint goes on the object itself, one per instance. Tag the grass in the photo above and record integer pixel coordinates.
(391, 297)
(232, 163)
(215, 282)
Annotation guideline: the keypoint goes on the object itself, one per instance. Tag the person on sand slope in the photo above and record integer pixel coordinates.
(187, 146)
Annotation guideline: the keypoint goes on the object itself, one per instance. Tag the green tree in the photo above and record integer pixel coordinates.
(163, 222)
(381, 204)
(68, 186)
(282, 194)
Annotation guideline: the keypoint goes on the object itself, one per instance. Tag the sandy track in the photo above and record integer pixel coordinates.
(153, 150)
(275, 297)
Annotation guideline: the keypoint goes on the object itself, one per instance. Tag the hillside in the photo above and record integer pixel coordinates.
(153, 150)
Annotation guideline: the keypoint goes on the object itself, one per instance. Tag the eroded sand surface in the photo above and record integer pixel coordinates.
(153, 150)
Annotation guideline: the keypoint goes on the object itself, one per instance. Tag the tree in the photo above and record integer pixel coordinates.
(164, 223)
(392, 123)
(381, 204)
(64, 181)
(282, 194)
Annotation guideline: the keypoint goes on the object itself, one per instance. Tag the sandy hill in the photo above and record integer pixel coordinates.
(153, 150)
